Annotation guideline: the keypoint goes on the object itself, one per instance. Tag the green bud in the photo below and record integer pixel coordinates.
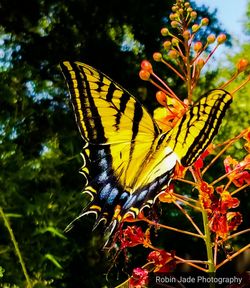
(195, 27)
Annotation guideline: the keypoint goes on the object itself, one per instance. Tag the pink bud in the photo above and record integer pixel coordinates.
(242, 65)
(146, 65)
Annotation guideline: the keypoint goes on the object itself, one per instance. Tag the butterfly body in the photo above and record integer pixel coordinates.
(128, 160)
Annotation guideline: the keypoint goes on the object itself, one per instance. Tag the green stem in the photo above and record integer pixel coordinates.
(17, 250)
(209, 247)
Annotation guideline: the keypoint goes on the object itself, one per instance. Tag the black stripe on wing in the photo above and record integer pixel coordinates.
(211, 125)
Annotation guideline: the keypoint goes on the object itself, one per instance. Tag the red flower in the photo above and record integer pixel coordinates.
(139, 278)
(207, 196)
(132, 236)
(226, 200)
(238, 171)
(199, 162)
(218, 223)
(163, 261)
(224, 223)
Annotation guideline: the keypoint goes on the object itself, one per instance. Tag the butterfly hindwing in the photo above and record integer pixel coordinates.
(198, 126)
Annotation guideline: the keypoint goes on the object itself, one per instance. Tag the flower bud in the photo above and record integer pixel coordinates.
(210, 38)
(157, 56)
(174, 8)
(221, 38)
(144, 75)
(173, 16)
(189, 10)
(200, 63)
(193, 15)
(204, 21)
(195, 27)
(186, 4)
(173, 54)
(175, 41)
(181, 11)
(167, 44)
(174, 24)
(146, 65)
(186, 34)
(164, 31)
(242, 65)
(161, 97)
(197, 46)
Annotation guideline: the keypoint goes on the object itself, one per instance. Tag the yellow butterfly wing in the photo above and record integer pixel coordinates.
(128, 161)
(121, 138)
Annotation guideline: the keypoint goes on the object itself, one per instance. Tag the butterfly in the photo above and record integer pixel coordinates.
(128, 160)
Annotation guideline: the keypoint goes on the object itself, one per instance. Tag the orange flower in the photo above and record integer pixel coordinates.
(167, 195)
(167, 117)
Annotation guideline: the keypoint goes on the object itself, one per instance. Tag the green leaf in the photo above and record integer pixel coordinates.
(53, 260)
(54, 231)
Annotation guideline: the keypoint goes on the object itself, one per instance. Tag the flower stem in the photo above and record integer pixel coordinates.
(209, 246)
(15, 244)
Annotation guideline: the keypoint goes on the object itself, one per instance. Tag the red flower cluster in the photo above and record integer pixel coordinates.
(221, 221)
(163, 261)
(132, 236)
(139, 278)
